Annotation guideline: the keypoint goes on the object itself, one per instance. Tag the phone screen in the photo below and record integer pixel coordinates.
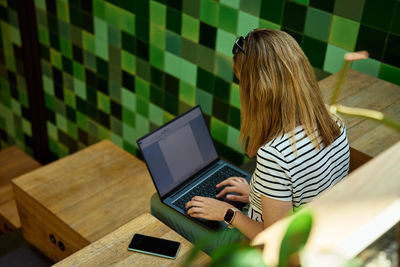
(154, 246)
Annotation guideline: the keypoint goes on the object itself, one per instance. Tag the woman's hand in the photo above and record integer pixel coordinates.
(235, 185)
(207, 208)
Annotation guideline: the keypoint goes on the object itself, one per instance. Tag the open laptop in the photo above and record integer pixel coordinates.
(183, 163)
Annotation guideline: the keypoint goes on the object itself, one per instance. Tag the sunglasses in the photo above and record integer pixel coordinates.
(238, 46)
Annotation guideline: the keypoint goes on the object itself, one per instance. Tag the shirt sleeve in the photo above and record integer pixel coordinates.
(272, 178)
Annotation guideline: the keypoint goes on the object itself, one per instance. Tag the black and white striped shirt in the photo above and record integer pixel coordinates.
(297, 176)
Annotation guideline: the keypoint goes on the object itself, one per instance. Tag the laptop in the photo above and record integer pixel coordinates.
(183, 162)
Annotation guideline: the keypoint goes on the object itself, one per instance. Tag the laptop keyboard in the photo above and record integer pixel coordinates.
(207, 187)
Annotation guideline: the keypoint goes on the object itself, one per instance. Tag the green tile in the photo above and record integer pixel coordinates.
(334, 58)
(61, 122)
(48, 85)
(190, 28)
(156, 114)
(377, 13)
(173, 42)
(225, 41)
(205, 58)
(219, 130)
(55, 57)
(390, 74)
(127, 21)
(62, 10)
(66, 48)
(231, 3)
(26, 127)
(99, 9)
(168, 117)
(15, 36)
(302, 2)
(51, 130)
(116, 139)
(172, 64)
(344, 33)
(101, 47)
(233, 139)
(234, 96)
(103, 102)
(16, 107)
(88, 42)
(204, 99)
(349, 9)
(128, 99)
(79, 70)
(128, 62)
(112, 15)
(187, 93)
(81, 121)
(80, 88)
(395, 25)
(69, 98)
(43, 36)
(156, 57)
(246, 23)
(318, 24)
(142, 88)
(252, 7)
(142, 107)
(209, 12)
(128, 117)
(157, 13)
(369, 66)
(128, 133)
(223, 67)
(72, 130)
(23, 98)
(103, 133)
(228, 19)
(157, 36)
(188, 72)
(142, 126)
(38, 3)
(268, 25)
(100, 29)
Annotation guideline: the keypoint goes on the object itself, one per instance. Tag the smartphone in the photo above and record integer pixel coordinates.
(154, 246)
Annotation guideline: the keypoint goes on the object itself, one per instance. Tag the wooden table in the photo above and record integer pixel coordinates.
(13, 163)
(111, 250)
(75, 201)
(364, 91)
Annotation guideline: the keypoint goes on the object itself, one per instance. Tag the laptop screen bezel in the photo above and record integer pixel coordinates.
(189, 179)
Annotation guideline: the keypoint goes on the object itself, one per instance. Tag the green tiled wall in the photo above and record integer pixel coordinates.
(15, 124)
(117, 69)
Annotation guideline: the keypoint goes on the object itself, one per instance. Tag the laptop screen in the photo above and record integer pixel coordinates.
(177, 150)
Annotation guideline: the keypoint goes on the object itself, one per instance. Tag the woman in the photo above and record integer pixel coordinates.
(301, 148)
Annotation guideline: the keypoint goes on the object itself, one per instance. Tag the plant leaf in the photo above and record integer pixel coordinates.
(295, 237)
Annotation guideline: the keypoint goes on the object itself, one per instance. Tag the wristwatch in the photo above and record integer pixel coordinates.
(230, 215)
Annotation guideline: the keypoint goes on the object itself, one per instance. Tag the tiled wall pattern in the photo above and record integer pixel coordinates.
(117, 69)
(15, 124)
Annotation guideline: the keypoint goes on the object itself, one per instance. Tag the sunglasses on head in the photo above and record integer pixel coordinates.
(238, 46)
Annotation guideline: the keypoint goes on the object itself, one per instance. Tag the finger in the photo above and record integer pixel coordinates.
(198, 198)
(234, 197)
(229, 181)
(194, 210)
(193, 203)
(226, 190)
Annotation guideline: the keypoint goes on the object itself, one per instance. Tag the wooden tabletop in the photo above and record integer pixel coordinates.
(349, 216)
(111, 250)
(364, 91)
(93, 191)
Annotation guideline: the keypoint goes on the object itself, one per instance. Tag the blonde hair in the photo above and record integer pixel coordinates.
(278, 92)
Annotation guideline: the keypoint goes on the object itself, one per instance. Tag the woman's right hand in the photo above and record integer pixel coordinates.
(235, 185)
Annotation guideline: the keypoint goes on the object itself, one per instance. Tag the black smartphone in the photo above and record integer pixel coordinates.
(155, 246)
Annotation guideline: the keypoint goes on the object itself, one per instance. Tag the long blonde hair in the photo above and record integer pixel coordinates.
(278, 92)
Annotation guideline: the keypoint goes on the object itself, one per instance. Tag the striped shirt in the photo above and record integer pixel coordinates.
(297, 176)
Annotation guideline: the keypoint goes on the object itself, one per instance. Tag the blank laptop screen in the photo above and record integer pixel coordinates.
(178, 150)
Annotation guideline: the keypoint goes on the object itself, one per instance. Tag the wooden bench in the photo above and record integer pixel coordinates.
(13, 163)
(70, 203)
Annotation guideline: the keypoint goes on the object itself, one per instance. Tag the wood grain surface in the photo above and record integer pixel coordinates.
(13, 163)
(363, 91)
(82, 197)
(111, 250)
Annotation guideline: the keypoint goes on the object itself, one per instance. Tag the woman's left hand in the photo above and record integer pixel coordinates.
(207, 208)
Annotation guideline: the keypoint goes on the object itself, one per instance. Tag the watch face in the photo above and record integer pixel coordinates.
(228, 216)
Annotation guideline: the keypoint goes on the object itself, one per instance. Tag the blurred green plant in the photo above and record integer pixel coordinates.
(357, 112)
(240, 253)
